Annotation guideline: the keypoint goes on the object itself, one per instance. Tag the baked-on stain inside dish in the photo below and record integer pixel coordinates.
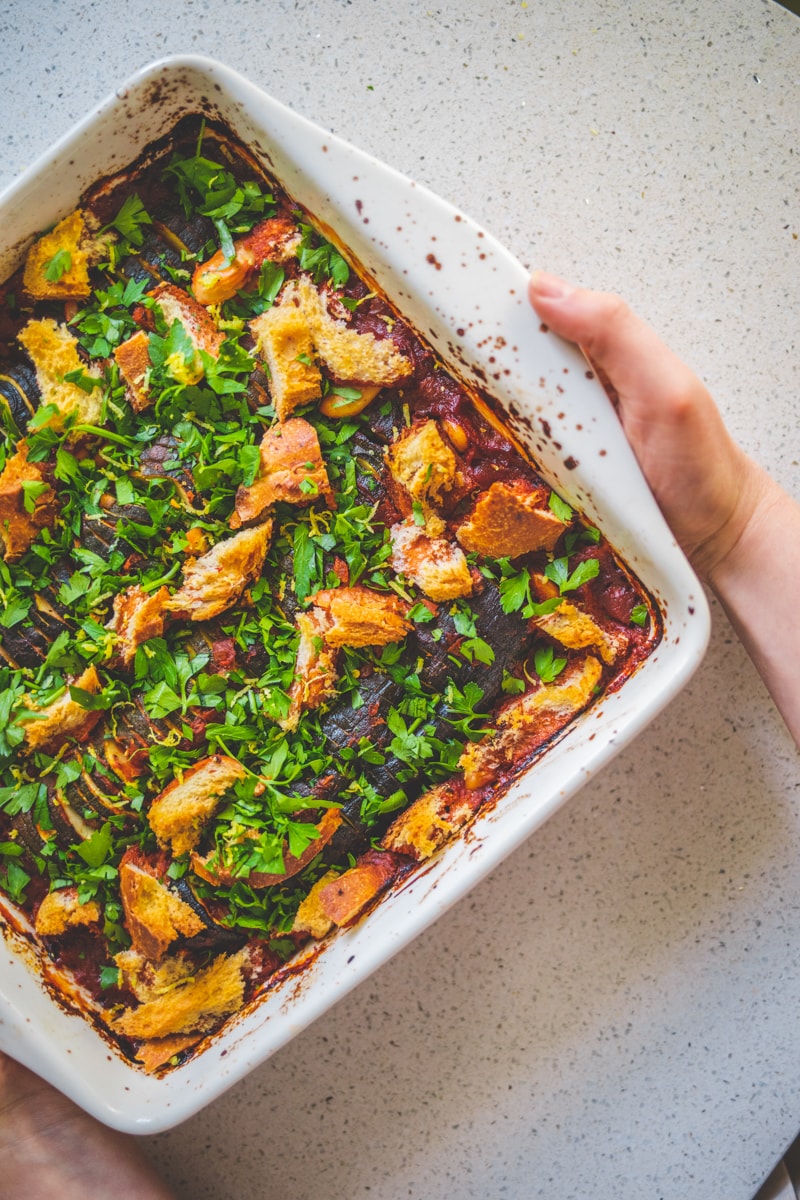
(282, 608)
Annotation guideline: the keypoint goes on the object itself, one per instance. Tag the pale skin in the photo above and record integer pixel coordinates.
(739, 529)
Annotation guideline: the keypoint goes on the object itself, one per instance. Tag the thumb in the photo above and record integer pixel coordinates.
(626, 351)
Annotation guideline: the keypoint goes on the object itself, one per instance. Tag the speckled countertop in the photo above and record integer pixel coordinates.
(614, 1012)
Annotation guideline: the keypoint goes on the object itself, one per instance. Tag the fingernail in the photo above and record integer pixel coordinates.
(549, 287)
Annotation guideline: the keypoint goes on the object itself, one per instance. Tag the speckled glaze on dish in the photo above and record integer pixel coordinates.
(467, 296)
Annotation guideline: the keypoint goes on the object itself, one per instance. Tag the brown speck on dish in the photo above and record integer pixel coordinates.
(603, 453)
(590, 374)
(461, 332)
(570, 463)
(324, 149)
(544, 328)
(432, 259)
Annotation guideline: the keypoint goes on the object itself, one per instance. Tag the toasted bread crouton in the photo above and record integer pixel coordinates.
(359, 616)
(54, 353)
(138, 616)
(154, 915)
(218, 868)
(291, 469)
(425, 468)
(431, 820)
(19, 528)
(510, 519)
(61, 910)
(133, 359)
(283, 339)
(344, 899)
(177, 305)
(576, 630)
(216, 580)
(310, 917)
(347, 354)
(73, 281)
(194, 1005)
(530, 720)
(64, 720)
(178, 814)
(147, 980)
(436, 566)
(314, 671)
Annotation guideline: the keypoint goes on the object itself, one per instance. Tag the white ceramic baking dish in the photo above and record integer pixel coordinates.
(467, 296)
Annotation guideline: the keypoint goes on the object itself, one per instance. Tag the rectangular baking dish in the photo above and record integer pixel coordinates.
(467, 296)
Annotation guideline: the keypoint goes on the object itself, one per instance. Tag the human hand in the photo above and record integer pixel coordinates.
(739, 528)
(706, 486)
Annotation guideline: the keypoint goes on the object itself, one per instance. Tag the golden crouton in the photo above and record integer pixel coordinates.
(347, 354)
(314, 671)
(431, 820)
(291, 469)
(178, 814)
(510, 519)
(423, 465)
(138, 616)
(216, 580)
(147, 980)
(154, 915)
(54, 353)
(62, 720)
(435, 565)
(576, 630)
(191, 1006)
(18, 527)
(283, 338)
(359, 616)
(73, 281)
(61, 910)
(133, 359)
(529, 720)
(310, 917)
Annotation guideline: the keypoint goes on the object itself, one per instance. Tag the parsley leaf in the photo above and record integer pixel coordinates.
(560, 508)
(130, 219)
(639, 614)
(546, 666)
(558, 572)
(58, 265)
(322, 261)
